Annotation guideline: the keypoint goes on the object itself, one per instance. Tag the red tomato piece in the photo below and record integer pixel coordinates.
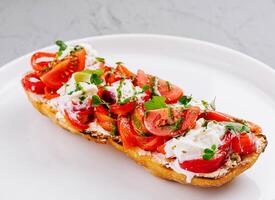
(217, 116)
(243, 144)
(137, 120)
(143, 79)
(126, 132)
(171, 92)
(57, 76)
(205, 166)
(105, 121)
(50, 93)
(80, 55)
(32, 82)
(75, 122)
(149, 143)
(156, 121)
(125, 72)
(122, 109)
(101, 109)
(40, 66)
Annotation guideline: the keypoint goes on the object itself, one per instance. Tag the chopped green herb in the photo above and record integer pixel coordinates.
(96, 100)
(119, 63)
(119, 93)
(176, 125)
(154, 85)
(78, 87)
(99, 59)
(205, 104)
(208, 154)
(237, 127)
(82, 98)
(62, 46)
(145, 87)
(184, 100)
(95, 79)
(70, 93)
(155, 103)
(125, 100)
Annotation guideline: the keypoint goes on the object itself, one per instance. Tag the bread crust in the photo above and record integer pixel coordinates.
(147, 161)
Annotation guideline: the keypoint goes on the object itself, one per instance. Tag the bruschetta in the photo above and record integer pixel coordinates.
(172, 134)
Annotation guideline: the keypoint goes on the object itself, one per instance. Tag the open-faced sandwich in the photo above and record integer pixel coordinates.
(173, 135)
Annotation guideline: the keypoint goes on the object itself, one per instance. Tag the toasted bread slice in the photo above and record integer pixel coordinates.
(147, 161)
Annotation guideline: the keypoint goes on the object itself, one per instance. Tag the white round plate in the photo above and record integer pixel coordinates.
(42, 161)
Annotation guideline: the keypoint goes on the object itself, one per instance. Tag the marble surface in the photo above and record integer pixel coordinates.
(247, 25)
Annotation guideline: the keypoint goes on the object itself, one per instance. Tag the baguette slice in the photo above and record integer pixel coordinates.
(147, 161)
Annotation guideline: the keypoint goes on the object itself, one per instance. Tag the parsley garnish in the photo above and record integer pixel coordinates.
(145, 87)
(78, 87)
(155, 103)
(209, 153)
(184, 100)
(95, 79)
(99, 59)
(96, 100)
(62, 46)
(205, 104)
(82, 98)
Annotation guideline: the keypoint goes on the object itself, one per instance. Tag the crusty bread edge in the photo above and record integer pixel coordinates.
(147, 161)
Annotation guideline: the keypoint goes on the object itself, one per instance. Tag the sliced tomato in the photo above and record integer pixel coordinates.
(101, 109)
(161, 149)
(80, 55)
(57, 76)
(143, 79)
(125, 72)
(110, 76)
(41, 66)
(122, 109)
(243, 144)
(137, 120)
(150, 143)
(106, 95)
(156, 121)
(205, 166)
(32, 82)
(75, 122)
(217, 116)
(105, 121)
(50, 93)
(171, 92)
(126, 132)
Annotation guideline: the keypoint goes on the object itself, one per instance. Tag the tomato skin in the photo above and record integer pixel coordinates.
(36, 87)
(80, 55)
(126, 132)
(156, 116)
(149, 143)
(50, 94)
(75, 122)
(243, 145)
(204, 166)
(40, 66)
(143, 79)
(57, 76)
(101, 109)
(110, 76)
(125, 72)
(123, 109)
(217, 116)
(161, 149)
(137, 120)
(105, 121)
(171, 92)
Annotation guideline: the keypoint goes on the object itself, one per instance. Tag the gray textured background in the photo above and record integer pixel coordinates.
(244, 25)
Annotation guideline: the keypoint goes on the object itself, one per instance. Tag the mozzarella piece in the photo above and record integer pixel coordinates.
(192, 145)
